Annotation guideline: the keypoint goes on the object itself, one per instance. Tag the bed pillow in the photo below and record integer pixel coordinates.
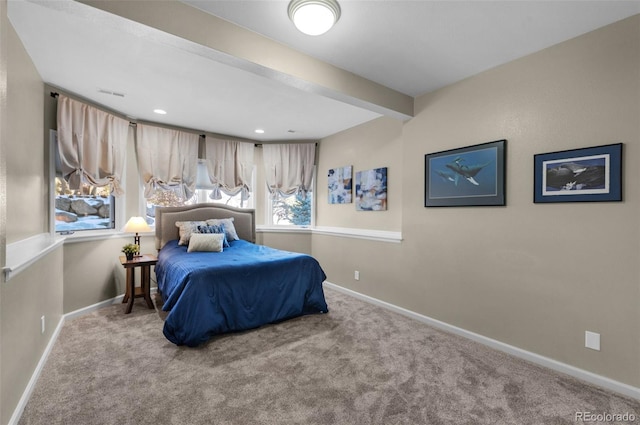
(229, 228)
(215, 228)
(185, 228)
(206, 242)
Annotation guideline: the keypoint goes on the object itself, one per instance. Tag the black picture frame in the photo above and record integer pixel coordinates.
(468, 176)
(591, 174)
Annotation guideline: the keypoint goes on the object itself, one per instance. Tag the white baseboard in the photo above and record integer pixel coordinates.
(584, 375)
(93, 307)
(22, 403)
(17, 413)
(590, 377)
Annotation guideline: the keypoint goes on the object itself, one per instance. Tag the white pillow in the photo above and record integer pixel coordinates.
(209, 242)
(185, 228)
(229, 228)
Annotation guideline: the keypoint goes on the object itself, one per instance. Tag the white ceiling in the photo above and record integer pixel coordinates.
(412, 47)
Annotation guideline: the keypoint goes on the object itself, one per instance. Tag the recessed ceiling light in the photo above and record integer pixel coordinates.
(160, 111)
(259, 131)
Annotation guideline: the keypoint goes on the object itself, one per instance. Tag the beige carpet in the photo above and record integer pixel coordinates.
(358, 364)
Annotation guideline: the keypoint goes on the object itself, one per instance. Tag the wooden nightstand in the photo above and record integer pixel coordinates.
(131, 292)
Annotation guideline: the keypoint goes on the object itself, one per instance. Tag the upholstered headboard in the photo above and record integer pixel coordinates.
(166, 230)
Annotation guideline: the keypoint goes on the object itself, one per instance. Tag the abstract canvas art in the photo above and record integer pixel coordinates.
(339, 185)
(371, 190)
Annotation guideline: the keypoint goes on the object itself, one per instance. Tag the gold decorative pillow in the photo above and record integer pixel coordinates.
(208, 242)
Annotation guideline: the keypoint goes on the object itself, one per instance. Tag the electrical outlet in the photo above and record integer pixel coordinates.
(592, 340)
(356, 275)
(42, 325)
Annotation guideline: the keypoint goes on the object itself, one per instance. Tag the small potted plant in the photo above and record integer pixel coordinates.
(130, 250)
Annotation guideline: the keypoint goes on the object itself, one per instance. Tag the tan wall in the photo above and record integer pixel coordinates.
(3, 170)
(536, 276)
(93, 273)
(288, 241)
(27, 191)
(373, 145)
(37, 291)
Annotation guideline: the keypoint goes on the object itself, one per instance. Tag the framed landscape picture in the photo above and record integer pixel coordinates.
(469, 176)
(579, 175)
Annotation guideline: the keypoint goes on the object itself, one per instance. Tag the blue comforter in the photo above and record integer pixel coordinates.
(243, 287)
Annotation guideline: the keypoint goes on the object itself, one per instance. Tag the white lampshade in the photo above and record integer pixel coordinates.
(314, 17)
(136, 225)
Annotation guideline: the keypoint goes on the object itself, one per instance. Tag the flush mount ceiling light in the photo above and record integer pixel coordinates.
(314, 17)
(160, 111)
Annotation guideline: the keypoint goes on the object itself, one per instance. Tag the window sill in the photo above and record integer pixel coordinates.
(22, 254)
(283, 229)
(97, 235)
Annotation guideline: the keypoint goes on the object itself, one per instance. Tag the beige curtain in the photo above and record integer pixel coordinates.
(92, 145)
(230, 165)
(167, 160)
(288, 168)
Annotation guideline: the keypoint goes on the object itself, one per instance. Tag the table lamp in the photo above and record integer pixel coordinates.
(136, 225)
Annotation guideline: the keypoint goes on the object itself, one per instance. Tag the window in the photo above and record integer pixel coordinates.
(289, 173)
(204, 188)
(201, 196)
(88, 208)
(162, 198)
(292, 210)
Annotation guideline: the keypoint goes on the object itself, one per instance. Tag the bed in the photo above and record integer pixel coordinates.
(243, 287)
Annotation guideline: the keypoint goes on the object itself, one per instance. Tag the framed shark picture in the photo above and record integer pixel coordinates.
(469, 176)
(581, 175)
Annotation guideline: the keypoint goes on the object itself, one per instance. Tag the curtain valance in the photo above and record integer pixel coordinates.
(92, 145)
(230, 165)
(288, 168)
(167, 160)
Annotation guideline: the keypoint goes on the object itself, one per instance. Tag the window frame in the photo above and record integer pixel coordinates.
(203, 187)
(118, 207)
(201, 194)
(269, 208)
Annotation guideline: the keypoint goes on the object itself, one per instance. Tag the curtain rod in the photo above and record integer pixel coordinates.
(133, 124)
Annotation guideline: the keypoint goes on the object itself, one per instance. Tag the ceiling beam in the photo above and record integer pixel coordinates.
(198, 32)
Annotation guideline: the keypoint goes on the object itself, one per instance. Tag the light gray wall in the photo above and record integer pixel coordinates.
(535, 276)
(37, 291)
